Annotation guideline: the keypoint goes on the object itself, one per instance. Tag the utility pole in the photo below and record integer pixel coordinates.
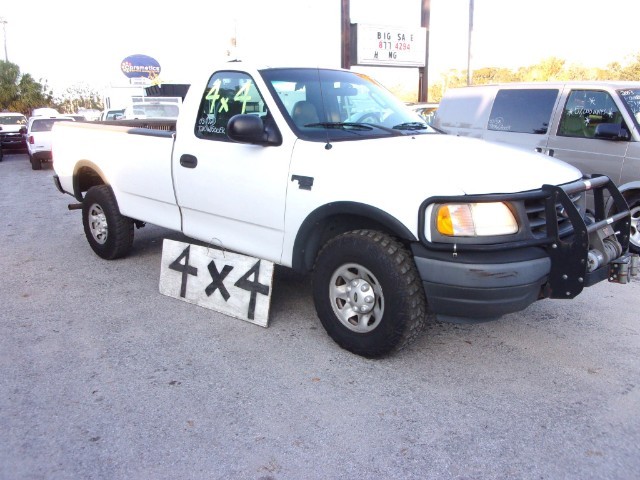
(4, 27)
(423, 73)
(345, 27)
(469, 72)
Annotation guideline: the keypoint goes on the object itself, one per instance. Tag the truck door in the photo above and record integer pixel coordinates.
(574, 139)
(231, 195)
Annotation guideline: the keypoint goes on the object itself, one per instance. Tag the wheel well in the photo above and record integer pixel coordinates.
(627, 191)
(85, 178)
(326, 223)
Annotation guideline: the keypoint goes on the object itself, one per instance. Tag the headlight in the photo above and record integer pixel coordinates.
(475, 219)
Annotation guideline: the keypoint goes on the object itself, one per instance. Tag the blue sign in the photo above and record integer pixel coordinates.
(136, 66)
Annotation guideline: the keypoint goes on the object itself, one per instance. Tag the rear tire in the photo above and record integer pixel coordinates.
(109, 234)
(35, 164)
(368, 294)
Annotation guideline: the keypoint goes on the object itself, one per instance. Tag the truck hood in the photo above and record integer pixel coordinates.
(397, 174)
(476, 166)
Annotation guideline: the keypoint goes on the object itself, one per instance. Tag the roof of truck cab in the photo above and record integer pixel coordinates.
(241, 65)
(574, 83)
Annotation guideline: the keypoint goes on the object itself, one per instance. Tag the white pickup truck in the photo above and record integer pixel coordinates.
(325, 172)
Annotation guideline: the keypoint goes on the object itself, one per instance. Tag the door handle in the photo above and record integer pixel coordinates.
(188, 161)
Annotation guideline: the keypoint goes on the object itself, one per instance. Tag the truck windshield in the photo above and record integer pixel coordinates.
(330, 105)
(46, 124)
(631, 99)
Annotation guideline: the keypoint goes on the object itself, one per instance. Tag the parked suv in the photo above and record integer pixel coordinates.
(10, 137)
(591, 125)
(39, 139)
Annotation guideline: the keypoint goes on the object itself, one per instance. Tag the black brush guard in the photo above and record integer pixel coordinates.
(594, 250)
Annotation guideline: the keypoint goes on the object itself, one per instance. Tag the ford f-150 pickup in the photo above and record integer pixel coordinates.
(324, 171)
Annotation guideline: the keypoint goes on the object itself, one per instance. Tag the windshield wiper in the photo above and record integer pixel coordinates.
(411, 126)
(341, 125)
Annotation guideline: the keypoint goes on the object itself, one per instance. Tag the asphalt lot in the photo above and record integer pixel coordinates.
(102, 377)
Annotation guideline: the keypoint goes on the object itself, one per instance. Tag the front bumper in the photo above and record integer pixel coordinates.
(13, 142)
(474, 280)
(477, 285)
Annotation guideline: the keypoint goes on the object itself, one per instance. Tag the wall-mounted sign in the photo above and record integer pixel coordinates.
(390, 46)
(136, 66)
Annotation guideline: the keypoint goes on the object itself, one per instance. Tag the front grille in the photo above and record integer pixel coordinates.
(536, 213)
(11, 136)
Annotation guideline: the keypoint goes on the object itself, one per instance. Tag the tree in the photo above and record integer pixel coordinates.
(632, 70)
(77, 97)
(21, 93)
(549, 69)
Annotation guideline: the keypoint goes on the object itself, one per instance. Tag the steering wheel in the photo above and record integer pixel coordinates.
(369, 117)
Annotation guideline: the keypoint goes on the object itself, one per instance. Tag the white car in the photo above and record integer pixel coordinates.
(39, 138)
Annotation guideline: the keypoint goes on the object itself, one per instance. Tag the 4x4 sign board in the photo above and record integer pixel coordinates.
(229, 283)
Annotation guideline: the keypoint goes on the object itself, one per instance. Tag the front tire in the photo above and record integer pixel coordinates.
(634, 206)
(368, 294)
(633, 201)
(109, 234)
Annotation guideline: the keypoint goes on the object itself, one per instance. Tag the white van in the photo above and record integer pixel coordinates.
(591, 125)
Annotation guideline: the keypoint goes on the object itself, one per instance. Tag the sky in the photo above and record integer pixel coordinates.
(76, 42)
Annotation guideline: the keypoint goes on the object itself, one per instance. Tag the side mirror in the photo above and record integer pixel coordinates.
(611, 131)
(251, 129)
(23, 130)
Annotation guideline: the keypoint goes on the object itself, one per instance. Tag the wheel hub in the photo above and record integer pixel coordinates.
(635, 223)
(98, 223)
(356, 298)
(361, 296)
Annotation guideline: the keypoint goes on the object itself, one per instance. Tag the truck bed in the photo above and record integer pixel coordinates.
(144, 186)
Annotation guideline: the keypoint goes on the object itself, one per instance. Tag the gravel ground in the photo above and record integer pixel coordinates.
(102, 377)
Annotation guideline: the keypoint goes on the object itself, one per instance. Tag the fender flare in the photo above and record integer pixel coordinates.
(312, 235)
(77, 188)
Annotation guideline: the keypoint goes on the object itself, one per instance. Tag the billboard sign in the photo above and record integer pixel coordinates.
(390, 46)
(137, 66)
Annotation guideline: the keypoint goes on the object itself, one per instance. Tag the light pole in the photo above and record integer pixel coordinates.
(469, 72)
(4, 27)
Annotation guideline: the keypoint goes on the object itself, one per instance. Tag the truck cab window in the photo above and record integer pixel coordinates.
(585, 110)
(523, 110)
(227, 94)
(631, 99)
